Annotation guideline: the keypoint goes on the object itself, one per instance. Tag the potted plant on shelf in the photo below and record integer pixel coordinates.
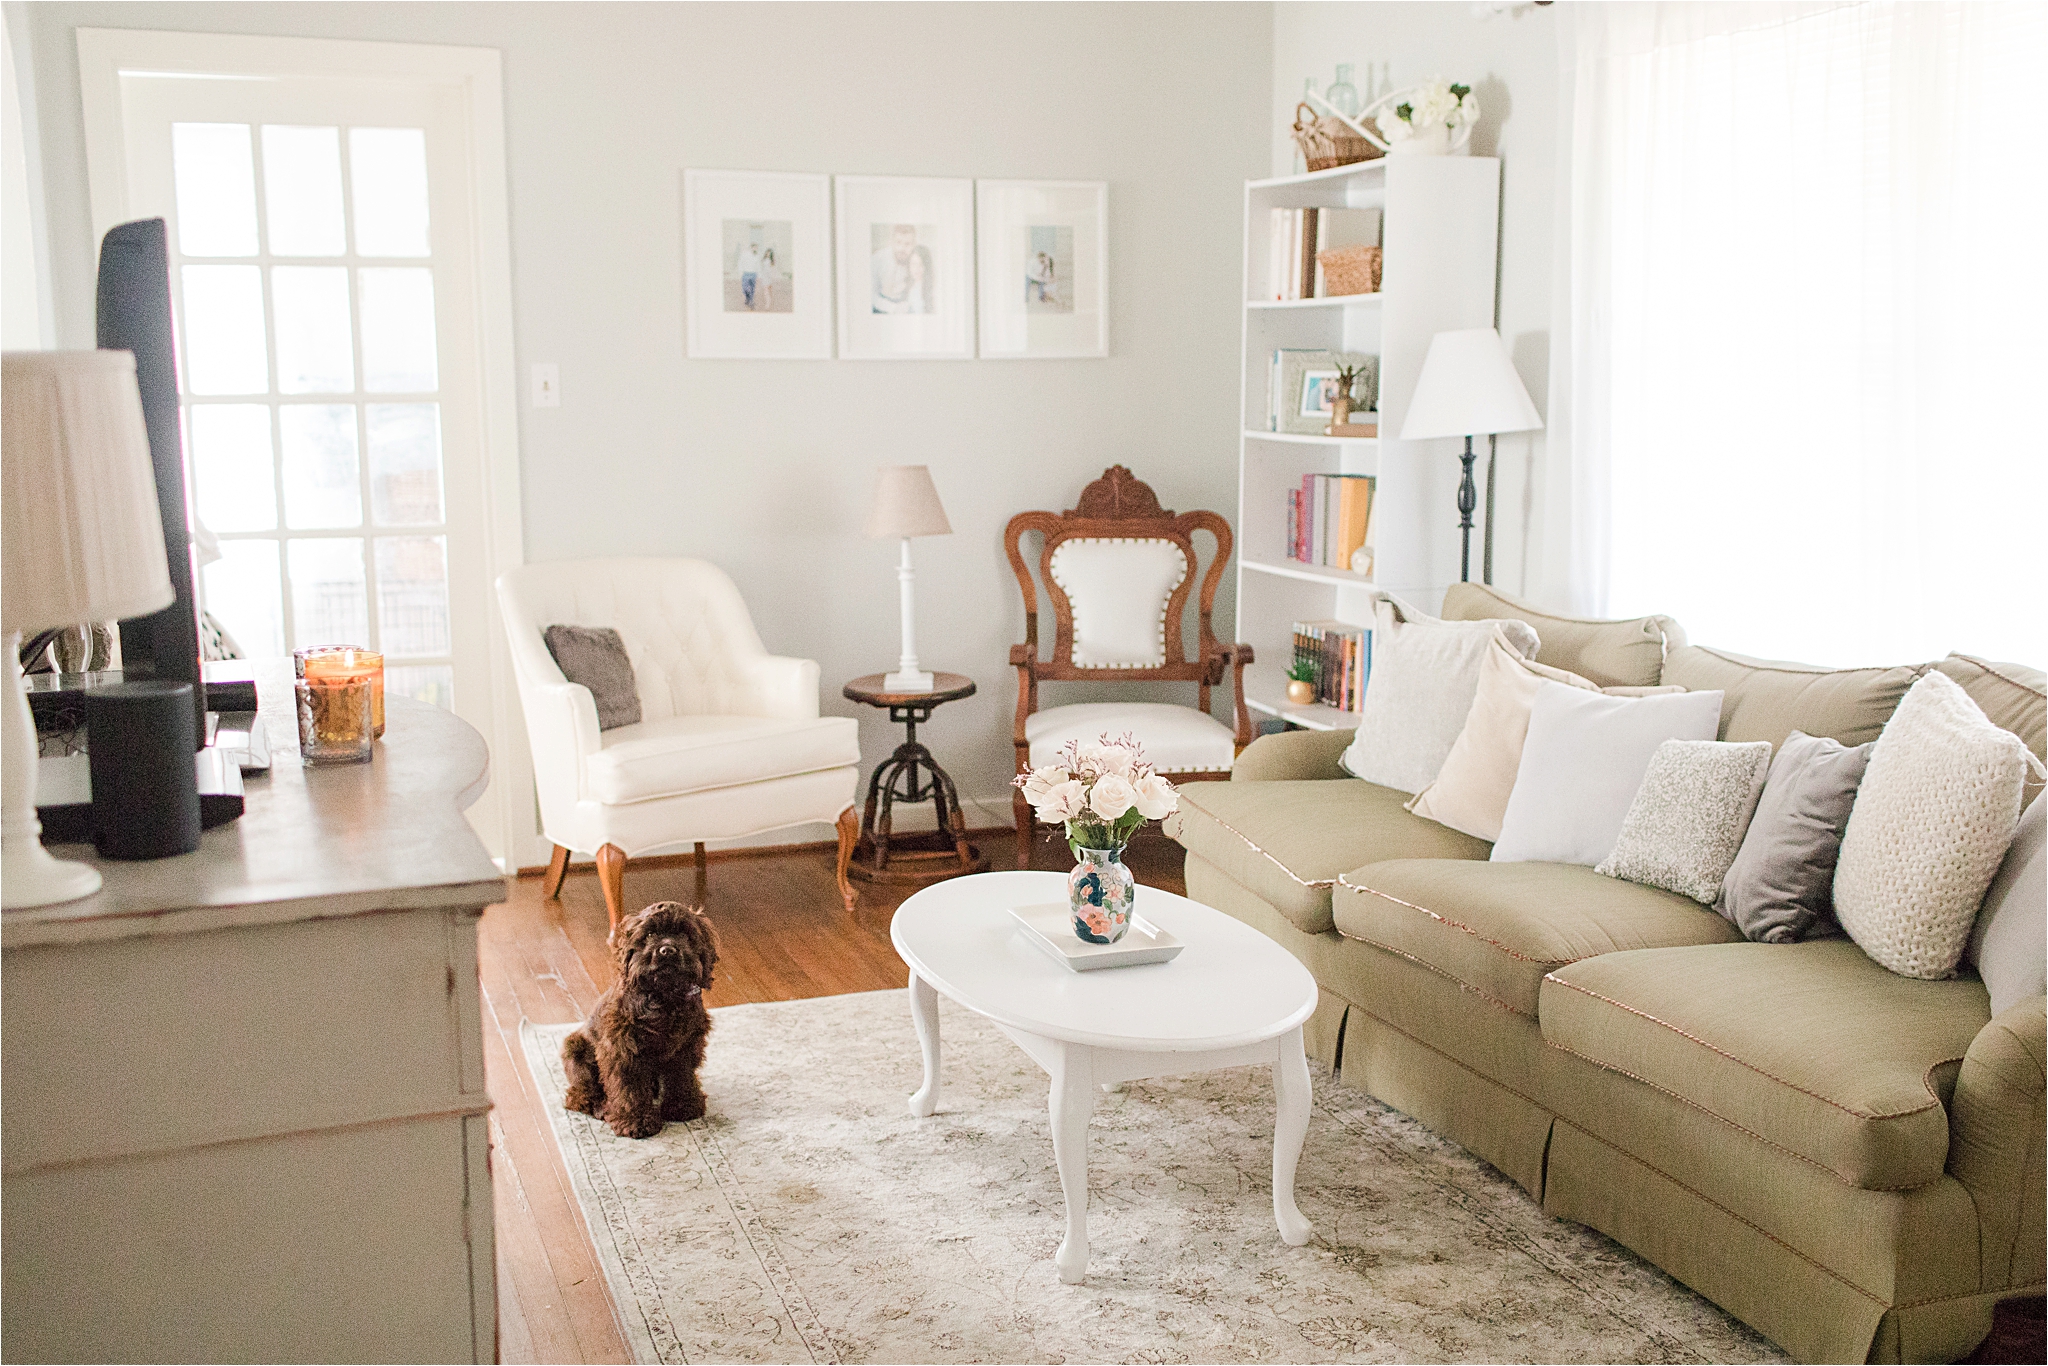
(1301, 682)
(1101, 793)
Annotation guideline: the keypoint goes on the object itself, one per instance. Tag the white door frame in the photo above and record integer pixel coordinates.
(504, 816)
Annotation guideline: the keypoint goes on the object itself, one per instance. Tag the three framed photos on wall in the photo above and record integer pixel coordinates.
(910, 267)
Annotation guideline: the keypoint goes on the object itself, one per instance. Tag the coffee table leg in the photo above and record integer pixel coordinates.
(1073, 1100)
(1290, 1127)
(924, 1012)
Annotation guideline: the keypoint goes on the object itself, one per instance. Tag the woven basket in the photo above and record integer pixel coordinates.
(1350, 270)
(1327, 142)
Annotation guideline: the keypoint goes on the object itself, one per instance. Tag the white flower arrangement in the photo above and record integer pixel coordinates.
(1436, 103)
(1101, 792)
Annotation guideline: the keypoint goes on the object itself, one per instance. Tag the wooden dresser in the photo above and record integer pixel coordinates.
(244, 1114)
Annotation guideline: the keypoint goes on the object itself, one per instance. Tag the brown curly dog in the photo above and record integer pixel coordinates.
(633, 1063)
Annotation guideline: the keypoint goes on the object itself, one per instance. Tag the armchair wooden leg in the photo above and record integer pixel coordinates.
(611, 875)
(703, 875)
(849, 834)
(1021, 809)
(558, 868)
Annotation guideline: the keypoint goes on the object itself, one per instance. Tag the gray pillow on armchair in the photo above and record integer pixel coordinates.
(595, 657)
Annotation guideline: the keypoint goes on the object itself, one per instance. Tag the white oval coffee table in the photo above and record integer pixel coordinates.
(1233, 997)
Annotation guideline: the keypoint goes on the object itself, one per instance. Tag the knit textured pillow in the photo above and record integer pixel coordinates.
(1932, 821)
(1687, 820)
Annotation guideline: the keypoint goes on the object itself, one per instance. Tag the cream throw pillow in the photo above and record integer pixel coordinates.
(1471, 790)
(1688, 817)
(1425, 674)
(1932, 821)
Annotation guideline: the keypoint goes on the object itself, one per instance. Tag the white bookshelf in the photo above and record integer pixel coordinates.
(1439, 231)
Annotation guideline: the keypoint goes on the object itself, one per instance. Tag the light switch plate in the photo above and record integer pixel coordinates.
(547, 386)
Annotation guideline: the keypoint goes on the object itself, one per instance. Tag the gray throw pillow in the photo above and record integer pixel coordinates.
(2009, 942)
(1780, 888)
(595, 657)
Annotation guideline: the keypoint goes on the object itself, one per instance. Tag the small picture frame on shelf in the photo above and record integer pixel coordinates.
(906, 267)
(757, 265)
(1044, 274)
(1307, 382)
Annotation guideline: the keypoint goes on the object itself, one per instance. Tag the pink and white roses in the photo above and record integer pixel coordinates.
(1100, 792)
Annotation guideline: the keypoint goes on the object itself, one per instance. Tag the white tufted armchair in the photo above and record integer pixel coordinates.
(1118, 570)
(729, 742)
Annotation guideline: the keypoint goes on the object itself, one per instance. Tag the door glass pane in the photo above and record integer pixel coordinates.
(412, 594)
(241, 590)
(223, 313)
(321, 485)
(231, 465)
(302, 191)
(388, 176)
(313, 351)
(330, 605)
(405, 463)
(398, 331)
(216, 188)
(433, 684)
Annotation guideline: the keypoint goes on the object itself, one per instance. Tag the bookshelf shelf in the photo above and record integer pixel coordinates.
(1438, 218)
(1308, 573)
(1330, 301)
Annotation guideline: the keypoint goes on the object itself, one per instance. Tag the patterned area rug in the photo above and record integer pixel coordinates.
(808, 1217)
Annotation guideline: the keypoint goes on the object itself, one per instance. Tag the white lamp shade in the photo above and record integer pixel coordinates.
(1468, 388)
(907, 504)
(80, 537)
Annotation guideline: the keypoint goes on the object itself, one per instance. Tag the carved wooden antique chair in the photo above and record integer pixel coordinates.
(1117, 570)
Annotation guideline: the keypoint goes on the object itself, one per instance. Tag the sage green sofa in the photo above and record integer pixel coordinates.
(1848, 1160)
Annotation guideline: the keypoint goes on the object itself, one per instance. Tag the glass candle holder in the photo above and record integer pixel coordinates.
(346, 661)
(334, 719)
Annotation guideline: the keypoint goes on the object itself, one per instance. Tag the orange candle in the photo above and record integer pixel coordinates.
(340, 663)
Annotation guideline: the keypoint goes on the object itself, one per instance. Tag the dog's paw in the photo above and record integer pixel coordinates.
(636, 1125)
(582, 1099)
(683, 1109)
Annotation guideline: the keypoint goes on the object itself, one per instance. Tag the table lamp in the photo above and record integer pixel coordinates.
(907, 504)
(1468, 388)
(80, 540)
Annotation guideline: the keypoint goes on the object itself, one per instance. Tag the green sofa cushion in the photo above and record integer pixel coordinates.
(1287, 841)
(1614, 654)
(1767, 700)
(1496, 928)
(1811, 1048)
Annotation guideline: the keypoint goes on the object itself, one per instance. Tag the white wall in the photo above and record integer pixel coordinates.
(1510, 61)
(24, 315)
(765, 467)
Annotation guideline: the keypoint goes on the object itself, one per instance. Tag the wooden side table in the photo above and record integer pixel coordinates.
(912, 775)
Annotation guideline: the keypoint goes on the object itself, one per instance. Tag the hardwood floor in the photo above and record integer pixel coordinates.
(783, 936)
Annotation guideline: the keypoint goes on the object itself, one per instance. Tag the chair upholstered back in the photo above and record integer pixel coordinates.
(1118, 569)
(685, 627)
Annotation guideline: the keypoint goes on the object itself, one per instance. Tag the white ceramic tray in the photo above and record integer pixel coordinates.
(1051, 927)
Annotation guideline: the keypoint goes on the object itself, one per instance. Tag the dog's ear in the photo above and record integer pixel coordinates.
(632, 934)
(705, 940)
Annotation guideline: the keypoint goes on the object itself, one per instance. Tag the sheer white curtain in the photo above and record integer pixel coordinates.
(1800, 390)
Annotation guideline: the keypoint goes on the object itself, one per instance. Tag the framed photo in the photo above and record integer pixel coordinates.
(1043, 248)
(1306, 382)
(906, 267)
(757, 264)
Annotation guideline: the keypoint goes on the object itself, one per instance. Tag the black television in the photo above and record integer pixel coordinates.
(135, 315)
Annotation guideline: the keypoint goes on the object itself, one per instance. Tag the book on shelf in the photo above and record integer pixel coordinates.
(1329, 519)
(1293, 240)
(1339, 658)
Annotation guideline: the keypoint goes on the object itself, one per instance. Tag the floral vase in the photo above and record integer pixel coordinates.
(1100, 891)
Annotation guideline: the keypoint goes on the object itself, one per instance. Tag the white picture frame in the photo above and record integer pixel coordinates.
(906, 267)
(1043, 257)
(778, 222)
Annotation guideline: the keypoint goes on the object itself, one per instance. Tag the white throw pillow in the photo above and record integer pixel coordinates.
(1471, 790)
(1932, 822)
(1425, 674)
(1582, 764)
(1688, 817)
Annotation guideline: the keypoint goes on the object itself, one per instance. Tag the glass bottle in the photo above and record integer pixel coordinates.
(1342, 94)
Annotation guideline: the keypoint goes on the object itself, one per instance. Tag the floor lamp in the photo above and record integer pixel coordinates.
(907, 504)
(1468, 388)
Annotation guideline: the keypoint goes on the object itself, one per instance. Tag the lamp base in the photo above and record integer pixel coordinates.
(913, 681)
(30, 877)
